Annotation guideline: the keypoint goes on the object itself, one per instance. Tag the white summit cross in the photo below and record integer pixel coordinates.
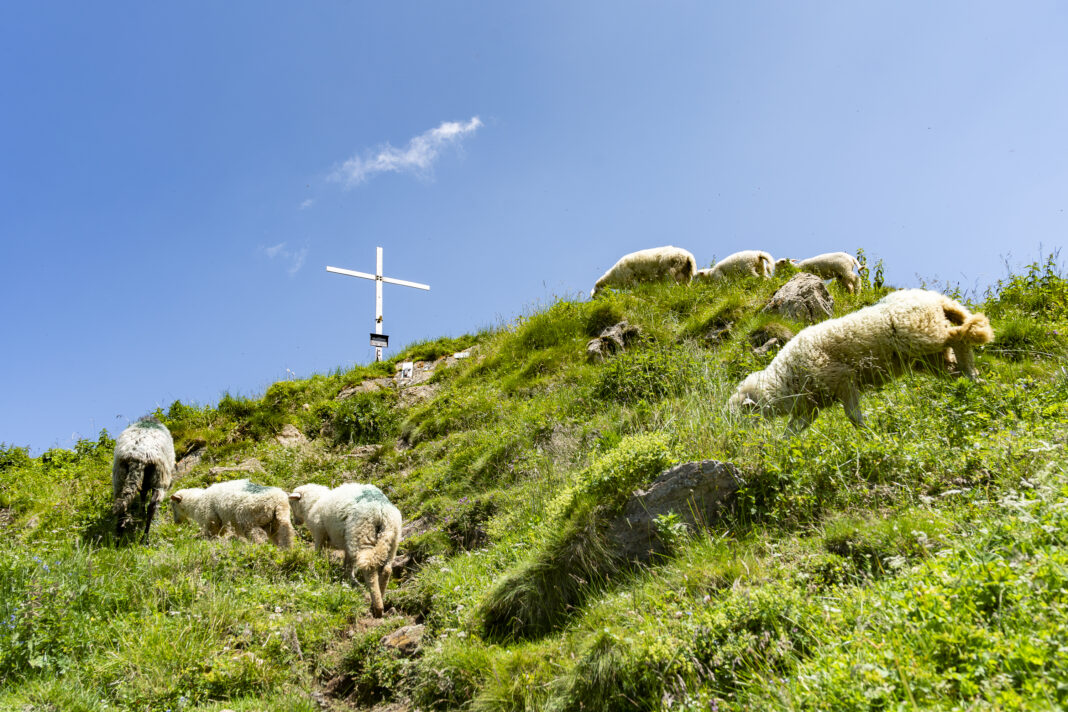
(378, 339)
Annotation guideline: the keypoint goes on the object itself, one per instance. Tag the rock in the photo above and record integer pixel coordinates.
(767, 346)
(368, 386)
(406, 640)
(412, 374)
(363, 451)
(417, 526)
(290, 436)
(190, 461)
(613, 339)
(695, 491)
(415, 395)
(250, 466)
(804, 298)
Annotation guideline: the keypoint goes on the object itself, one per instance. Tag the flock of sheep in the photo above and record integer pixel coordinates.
(832, 361)
(827, 363)
(356, 518)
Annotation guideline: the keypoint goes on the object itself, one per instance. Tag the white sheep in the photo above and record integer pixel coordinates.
(144, 463)
(832, 361)
(755, 263)
(359, 520)
(831, 265)
(254, 511)
(651, 265)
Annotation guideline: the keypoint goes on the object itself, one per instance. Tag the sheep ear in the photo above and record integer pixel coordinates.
(295, 496)
(176, 498)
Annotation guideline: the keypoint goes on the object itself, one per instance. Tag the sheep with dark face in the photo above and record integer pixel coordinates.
(652, 265)
(832, 361)
(359, 520)
(143, 464)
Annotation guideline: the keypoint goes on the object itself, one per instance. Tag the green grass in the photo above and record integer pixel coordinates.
(917, 563)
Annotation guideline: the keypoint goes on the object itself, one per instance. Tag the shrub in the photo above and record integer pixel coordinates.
(646, 374)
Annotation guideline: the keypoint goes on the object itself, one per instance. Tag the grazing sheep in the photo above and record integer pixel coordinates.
(832, 265)
(254, 511)
(359, 520)
(746, 263)
(144, 462)
(832, 361)
(652, 265)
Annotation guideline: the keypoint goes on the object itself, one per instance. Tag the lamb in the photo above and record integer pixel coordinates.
(144, 462)
(359, 520)
(754, 263)
(651, 265)
(832, 361)
(254, 511)
(831, 265)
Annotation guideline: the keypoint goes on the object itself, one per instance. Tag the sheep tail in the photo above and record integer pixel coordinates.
(131, 484)
(975, 330)
(374, 558)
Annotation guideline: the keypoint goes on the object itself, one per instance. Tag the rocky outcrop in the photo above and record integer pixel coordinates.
(246, 468)
(612, 340)
(290, 436)
(694, 491)
(406, 640)
(804, 298)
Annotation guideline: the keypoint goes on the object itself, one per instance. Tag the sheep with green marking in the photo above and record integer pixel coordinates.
(359, 520)
(255, 512)
(143, 464)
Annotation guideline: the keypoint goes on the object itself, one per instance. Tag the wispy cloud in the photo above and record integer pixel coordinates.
(295, 258)
(417, 157)
(307, 203)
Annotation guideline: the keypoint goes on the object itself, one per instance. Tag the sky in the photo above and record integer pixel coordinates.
(175, 177)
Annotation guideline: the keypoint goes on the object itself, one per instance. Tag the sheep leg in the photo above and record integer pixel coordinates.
(370, 580)
(256, 535)
(383, 578)
(850, 398)
(152, 504)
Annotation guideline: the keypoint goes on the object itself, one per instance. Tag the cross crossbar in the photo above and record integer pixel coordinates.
(378, 279)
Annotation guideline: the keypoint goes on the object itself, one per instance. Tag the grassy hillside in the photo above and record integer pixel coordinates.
(921, 562)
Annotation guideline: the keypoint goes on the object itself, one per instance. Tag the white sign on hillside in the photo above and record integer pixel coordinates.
(382, 339)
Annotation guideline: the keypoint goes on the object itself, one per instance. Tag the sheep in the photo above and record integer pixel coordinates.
(359, 520)
(740, 264)
(144, 462)
(651, 265)
(830, 265)
(254, 511)
(832, 361)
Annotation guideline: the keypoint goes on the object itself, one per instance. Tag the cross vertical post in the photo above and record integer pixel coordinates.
(378, 279)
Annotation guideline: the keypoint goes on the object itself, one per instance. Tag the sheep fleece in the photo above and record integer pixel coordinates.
(254, 511)
(831, 361)
(358, 519)
(740, 264)
(651, 265)
(144, 462)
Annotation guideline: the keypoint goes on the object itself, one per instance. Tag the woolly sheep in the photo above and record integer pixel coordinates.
(651, 265)
(832, 361)
(144, 463)
(754, 263)
(831, 265)
(254, 511)
(359, 520)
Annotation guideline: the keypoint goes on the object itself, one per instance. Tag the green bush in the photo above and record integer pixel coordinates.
(646, 375)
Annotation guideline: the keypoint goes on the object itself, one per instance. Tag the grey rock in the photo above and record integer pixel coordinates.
(804, 298)
(406, 640)
(614, 339)
(250, 466)
(695, 491)
(768, 346)
(290, 436)
(187, 463)
(369, 386)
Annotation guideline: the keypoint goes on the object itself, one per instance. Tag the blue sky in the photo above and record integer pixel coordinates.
(174, 178)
